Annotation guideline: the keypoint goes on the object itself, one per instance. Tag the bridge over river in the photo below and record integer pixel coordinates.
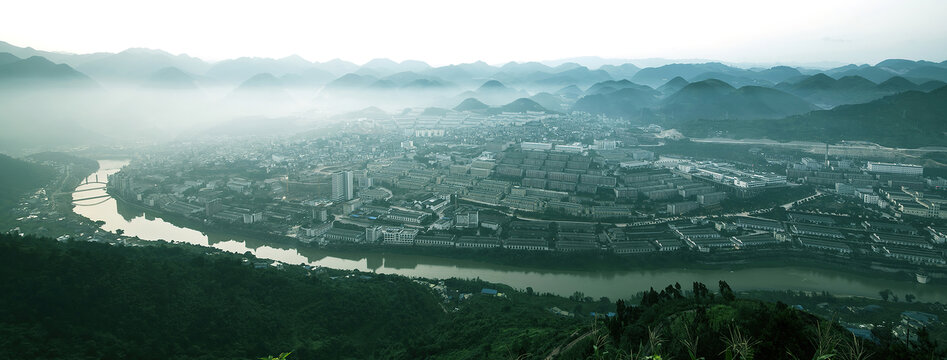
(90, 189)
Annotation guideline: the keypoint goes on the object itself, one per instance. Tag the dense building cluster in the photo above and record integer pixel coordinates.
(529, 182)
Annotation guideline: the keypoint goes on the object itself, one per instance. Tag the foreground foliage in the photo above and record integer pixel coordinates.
(700, 324)
(80, 300)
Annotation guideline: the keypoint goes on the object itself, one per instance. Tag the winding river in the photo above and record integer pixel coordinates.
(613, 284)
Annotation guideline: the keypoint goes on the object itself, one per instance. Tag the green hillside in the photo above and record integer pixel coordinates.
(909, 119)
(18, 177)
(699, 323)
(80, 300)
(627, 103)
(715, 99)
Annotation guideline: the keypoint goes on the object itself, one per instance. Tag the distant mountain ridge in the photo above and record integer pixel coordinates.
(520, 105)
(37, 71)
(141, 63)
(669, 94)
(171, 78)
(908, 119)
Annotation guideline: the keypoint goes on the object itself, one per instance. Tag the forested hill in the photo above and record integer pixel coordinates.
(908, 119)
(18, 176)
(79, 300)
(83, 300)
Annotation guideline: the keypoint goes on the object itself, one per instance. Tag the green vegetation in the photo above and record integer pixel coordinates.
(715, 99)
(85, 300)
(78, 300)
(910, 119)
(18, 177)
(701, 324)
(858, 310)
(97, 301)
(58, 173)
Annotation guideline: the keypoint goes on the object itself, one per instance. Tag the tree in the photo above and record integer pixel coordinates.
(726, 292)
(909, 297)
(700, 291)
(650, 297)
(885, 294)
(529, 290)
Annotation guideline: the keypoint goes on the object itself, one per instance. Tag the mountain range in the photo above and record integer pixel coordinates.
(669, 94)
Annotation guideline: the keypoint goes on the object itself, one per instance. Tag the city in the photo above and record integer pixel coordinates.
(365, 186)
(628, 180)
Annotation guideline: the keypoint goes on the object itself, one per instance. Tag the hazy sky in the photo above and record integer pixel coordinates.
(443, 32)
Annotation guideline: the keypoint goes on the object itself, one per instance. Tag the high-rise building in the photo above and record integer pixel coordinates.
(343, 186)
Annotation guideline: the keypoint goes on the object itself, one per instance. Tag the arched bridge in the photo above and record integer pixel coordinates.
(96, 182)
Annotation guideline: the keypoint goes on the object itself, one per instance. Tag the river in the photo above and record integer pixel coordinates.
(613, 284)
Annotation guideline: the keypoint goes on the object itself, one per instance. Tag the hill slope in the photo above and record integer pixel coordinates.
(522, 105)
(909, 119)
(81, 300)
(171, 78)
(18, 177)
(37, 71)
(714, 99)
(626, 103)
(471, 104)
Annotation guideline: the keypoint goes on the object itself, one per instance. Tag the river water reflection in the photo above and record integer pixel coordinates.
(613, 284)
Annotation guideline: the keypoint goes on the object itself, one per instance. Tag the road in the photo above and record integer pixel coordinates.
(819, 145)
(789, 205)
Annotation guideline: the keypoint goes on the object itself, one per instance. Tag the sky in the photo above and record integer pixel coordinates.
(447, 32)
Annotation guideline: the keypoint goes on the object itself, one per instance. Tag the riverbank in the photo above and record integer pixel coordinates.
(683, 259)
(50, 213)
(400, 312)
(195, 224)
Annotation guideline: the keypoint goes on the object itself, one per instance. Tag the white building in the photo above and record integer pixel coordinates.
(605, 144)
(634, 164)
(570, 148)
(398, 236)
(889, 168)
(252, 218)
(428, 132)
(869, 197)
(535, 146)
